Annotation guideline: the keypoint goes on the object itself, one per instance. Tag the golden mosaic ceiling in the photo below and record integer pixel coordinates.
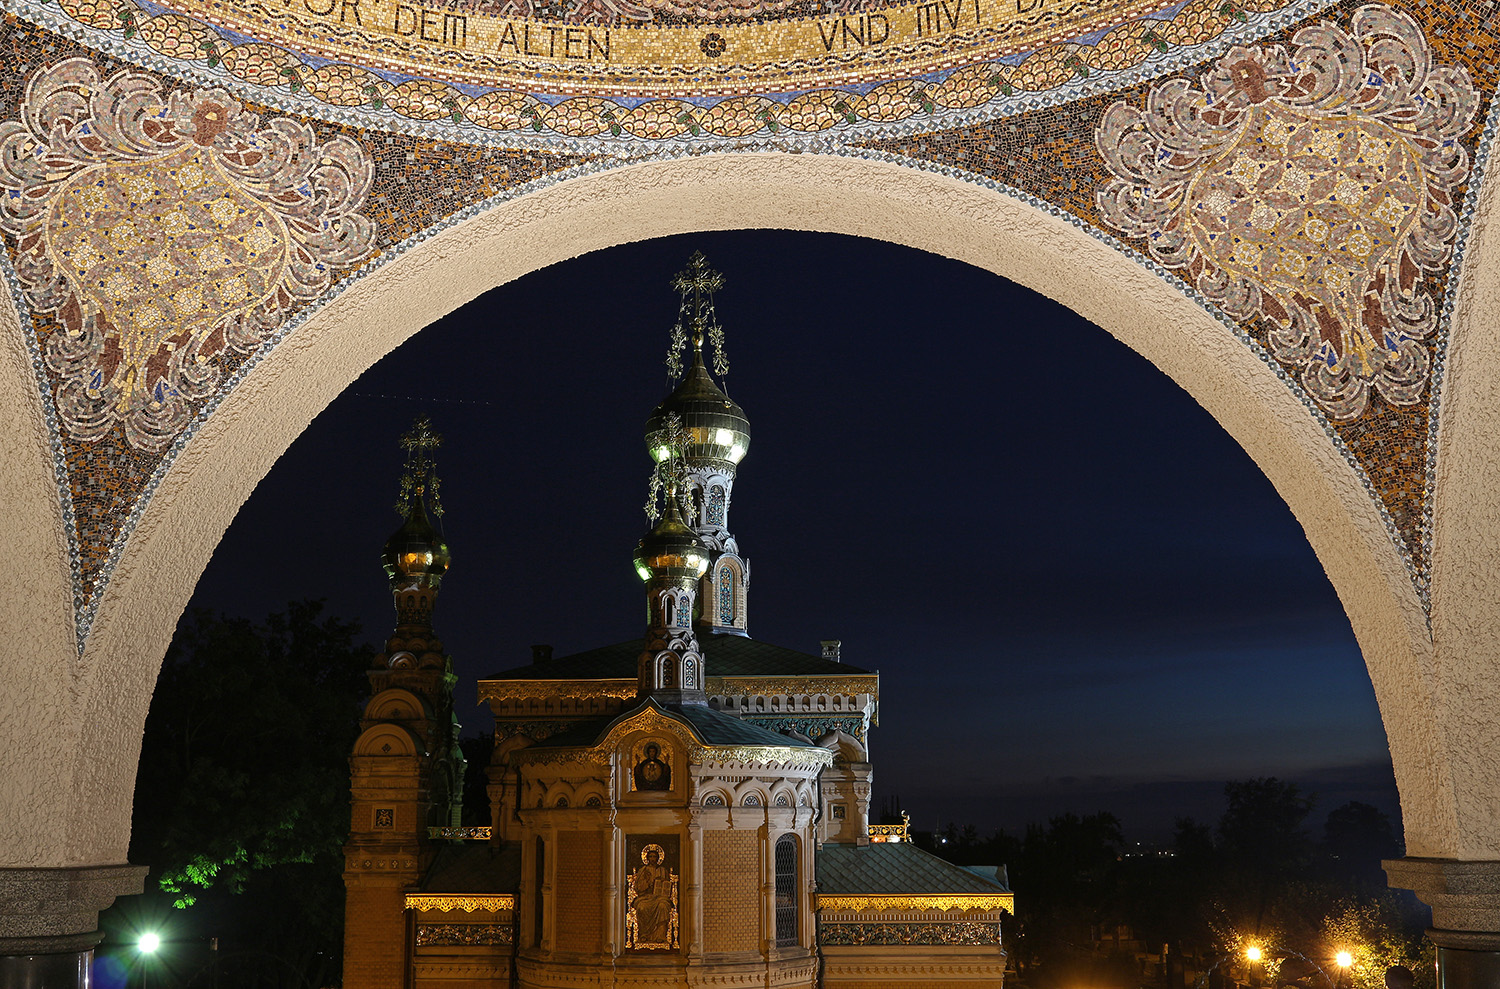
(183, 187)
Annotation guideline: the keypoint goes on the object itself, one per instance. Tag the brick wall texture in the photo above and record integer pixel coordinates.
(578, 885)
(375, 938)
(731, 897)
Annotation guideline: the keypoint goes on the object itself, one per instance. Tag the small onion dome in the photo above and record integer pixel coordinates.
(714, 427)
(415, 549)
(671, 550)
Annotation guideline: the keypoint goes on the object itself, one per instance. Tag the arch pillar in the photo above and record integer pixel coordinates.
(1461, 883)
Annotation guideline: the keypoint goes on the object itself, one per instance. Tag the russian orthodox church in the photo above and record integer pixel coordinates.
(689, 808)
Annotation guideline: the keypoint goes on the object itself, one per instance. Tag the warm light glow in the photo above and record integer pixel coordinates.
(149, 942)
(1344, 959)
(736, 452)
(1253, 953)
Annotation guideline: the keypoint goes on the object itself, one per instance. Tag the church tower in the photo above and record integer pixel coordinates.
(715, 436)
(406, 770)
(671, 559)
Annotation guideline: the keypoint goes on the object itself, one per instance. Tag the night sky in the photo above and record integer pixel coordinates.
(1079, 592)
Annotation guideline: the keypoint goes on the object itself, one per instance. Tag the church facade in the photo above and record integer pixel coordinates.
(689, 808)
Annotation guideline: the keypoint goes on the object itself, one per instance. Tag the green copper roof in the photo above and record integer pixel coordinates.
(893, 868)
(723, 655)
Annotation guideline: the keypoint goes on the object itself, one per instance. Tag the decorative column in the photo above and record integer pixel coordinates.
(1465, 902)
(49, 921)
(692, 910)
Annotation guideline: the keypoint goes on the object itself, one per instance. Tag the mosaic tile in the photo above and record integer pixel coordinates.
(412, 154)
(162, 238)
(1055, 156)
(600, 98)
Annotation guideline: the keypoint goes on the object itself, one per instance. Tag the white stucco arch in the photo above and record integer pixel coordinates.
(74, 726)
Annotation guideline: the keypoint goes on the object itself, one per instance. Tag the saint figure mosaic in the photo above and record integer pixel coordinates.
(651, 920)
(1310, 185)
(164, 231)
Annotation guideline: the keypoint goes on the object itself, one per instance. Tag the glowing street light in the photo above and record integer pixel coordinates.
(1344, 959)
(147, 944)
(1253, 953)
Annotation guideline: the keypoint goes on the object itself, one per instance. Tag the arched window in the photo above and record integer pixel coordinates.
(786, 891)
(726, 595)
(716, 505)
(713, 800)
(668, 610)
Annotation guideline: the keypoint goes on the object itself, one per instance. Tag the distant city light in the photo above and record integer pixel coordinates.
(149, 942)
(1344, 959)
(1253, 953)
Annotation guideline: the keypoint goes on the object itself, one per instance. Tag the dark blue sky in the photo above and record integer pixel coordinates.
(1079, 592)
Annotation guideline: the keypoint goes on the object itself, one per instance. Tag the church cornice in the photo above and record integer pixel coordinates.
(852, 685)
(502, 691)
(908, 902)
(467, 902)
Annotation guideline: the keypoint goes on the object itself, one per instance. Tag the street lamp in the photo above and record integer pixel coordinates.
(1343, 960)
(147, 944)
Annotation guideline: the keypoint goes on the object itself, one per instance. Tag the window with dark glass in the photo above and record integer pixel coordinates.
(541, 876)
(786, 891)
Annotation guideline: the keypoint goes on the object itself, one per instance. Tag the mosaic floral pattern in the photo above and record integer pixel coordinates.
(162, 230)
(1311, 185)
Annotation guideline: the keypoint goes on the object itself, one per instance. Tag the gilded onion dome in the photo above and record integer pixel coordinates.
(671, 550)
(714, 428)
(416, 551)
(416, 555)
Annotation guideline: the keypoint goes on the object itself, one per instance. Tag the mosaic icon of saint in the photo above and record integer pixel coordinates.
(652, 773)
(651, 900)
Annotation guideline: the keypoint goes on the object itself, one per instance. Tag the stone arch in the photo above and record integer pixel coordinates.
(82, 778)
(388, 740)
(396, 704)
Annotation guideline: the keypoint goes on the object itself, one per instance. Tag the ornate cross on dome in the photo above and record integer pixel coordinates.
(419, 475)
(701, 282)
(670, 473)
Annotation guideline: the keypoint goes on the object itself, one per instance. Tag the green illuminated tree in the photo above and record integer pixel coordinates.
(242, 795)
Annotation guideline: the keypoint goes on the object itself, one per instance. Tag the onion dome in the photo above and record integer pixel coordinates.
(713, 427)
(415, 551)
(671, 550)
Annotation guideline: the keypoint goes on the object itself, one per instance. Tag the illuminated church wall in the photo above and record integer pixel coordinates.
(215, 217)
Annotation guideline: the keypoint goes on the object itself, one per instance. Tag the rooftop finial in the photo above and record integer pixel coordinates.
(697, 319)
(419, 475)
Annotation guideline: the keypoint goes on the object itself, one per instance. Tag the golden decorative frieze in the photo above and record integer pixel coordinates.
(467, 902)
(893, 833)
(852, 685)
(461, 834)
(935, 901)
(656, 58)
(525, 690)
(943, 932)
(463, 935)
